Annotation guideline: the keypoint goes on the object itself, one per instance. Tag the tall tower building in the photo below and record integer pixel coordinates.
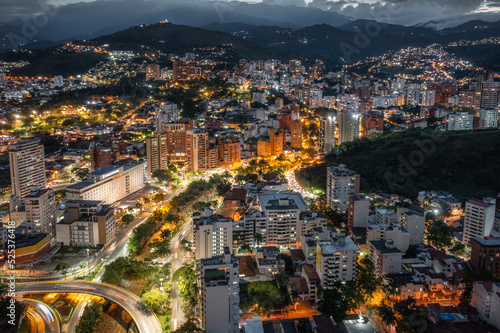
(27, 166)
(341, 183)
(229, 151)
(348, 127)
(166, 113)
(156, 153)
(41, 209)
(276, 141)
(153, 72)
(479, 218)
(327, 133)
(489, 94)
(197, 150)
(176, 141)
(296, 134)
(218, 282)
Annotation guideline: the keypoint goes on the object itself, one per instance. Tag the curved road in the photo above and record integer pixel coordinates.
(145, 320)
(45, 316)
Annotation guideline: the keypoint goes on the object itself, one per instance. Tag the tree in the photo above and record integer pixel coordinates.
(438, 234)
(386, 314)
(127, 218)
(91, 318)
(258, 239)
(62, 265)
(265, 295)
(458, 249)
(366, 279)
(332, 302)
(412, 252)
(154, 299)
(411, 318)
(190, 326)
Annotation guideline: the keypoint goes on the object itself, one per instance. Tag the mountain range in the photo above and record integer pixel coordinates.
(334, 45)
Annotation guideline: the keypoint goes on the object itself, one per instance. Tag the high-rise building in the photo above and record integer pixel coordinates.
(197, 150)
(327, 133)
(58, 81)
(153, 72)
(414, 223)
(488, 118)
(336, 259)
(479, 218)
(211, 234)
(358, 212)
(276, 141)
(184, 70)
(102, 156)
(176, 141)
(260, 97)
(229, 151)
(283, 222)
(420, 97)
(469, 99)
(109, 184)
(86, 223)
(489, 93)
(27, 166)
(460, 121)
(486, 300)
(296, 134)
(341, 183)
(384, 255)
(373, 122)
(348, 127)
(166, 113)
(255, 222)
(41, 209)
(484, 256)
(218, 282)
(156, 153)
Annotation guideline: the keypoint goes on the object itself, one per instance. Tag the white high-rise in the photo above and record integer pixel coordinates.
(211, 234)
(348, 123)
(41, 209)
(218, 282)
(488, 118)
(327, 133)
(166, 113)
(479, 218)
(341, 183)
(27, 166)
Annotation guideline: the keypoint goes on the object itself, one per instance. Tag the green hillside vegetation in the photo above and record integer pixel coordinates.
(66, 64)
(463, 163)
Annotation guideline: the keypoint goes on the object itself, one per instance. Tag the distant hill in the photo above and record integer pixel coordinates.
(463, 163)
(177, 39)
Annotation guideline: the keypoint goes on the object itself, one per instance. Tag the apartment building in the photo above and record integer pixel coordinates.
(479, 218)
(341, 183)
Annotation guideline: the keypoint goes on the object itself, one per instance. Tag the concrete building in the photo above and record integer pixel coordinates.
(156, 153)
(41, 210)
(486, 300)
(489, 93)
(348, 124)
(341, 183)
(197, 150)
(283, 222)
(469, 99)
(211, 234)
(336, 259)
(479, 218)
(358, 211)
(166, 113)
(484, 255)
(382, 232)
(296, 134)
(327, 133)
(86, 223)
(488, 118)
(27, 166)
(460, 121)
(255, 222)
(414, 223)
(229, 151)
(176, 141)
(102, 156)
(109, 184)
(385, 256)
(218, 282)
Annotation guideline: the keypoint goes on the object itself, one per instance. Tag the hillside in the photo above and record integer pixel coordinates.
(463, 163)
(170, 38)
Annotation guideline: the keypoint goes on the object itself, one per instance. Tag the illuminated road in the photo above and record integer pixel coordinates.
(145, 319)
(43, 315)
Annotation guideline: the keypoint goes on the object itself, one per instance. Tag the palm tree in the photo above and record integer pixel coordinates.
(386, 314)
(258, 239)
